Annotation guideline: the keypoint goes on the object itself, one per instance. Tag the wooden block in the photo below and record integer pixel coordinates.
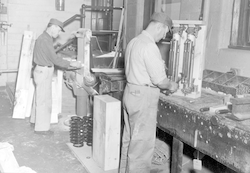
(84, 155)
(240, 105)
(30, 98)
(106, 131)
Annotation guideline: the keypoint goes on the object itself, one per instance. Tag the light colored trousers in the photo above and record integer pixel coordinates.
(140, 113)
(42, 105)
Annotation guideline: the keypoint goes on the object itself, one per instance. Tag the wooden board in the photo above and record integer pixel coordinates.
(24, 75)
(106, 131)
(84, 155)
(30, 98)
(107, 70)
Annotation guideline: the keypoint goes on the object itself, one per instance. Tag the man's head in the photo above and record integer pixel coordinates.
(161, 23)
(55, 27)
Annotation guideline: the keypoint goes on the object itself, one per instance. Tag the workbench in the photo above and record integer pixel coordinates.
(225, 140)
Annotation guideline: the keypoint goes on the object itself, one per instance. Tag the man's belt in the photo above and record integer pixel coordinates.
(147, 85)
(150, 86)
(44, 66)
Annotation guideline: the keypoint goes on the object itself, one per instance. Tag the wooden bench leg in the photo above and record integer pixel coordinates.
(177, 153)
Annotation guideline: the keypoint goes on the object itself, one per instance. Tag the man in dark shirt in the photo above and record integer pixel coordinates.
(45, 58)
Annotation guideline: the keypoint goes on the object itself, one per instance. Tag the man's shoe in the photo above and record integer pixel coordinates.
(44, 132)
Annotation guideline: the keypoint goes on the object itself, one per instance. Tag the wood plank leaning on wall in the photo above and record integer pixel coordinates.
(24, 76)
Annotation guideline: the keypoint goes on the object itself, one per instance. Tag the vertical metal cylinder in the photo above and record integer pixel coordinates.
(176, 65)
(191, 60)
(174, 57)
(186, 58)
(171, 58)
(170, 61)
(60, 5)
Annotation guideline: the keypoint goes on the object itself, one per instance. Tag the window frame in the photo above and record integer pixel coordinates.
(240, 27)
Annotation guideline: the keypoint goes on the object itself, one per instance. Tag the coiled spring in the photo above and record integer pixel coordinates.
(89, 125)
(81, 130)
(76, 131)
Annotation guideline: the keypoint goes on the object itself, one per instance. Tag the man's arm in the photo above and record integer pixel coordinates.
(168, 84)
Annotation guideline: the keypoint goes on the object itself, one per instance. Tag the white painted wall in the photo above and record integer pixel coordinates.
(34, 15)
(218, 56)
(3, 47)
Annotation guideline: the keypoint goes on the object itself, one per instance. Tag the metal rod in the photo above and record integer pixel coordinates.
(191, 65)
(176, 61)
(189, 60)
(185, 59)
(71, 19)
(170, 61)
(8, 71)
(64, 45)
(101, 7)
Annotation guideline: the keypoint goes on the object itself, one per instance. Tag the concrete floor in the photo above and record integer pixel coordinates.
(50, 154)
(41, 153)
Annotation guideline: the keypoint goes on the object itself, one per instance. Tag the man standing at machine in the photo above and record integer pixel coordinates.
(146, 75)
(45, 58)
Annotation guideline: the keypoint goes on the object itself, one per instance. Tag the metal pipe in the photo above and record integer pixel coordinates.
(186, 57)
(98, 8)
(170, 61)
(191, 65)
(71, 19)
(190, 45)
(64, 45)
(174, 55)
(174, 59)
(8, 71)
(176, 67)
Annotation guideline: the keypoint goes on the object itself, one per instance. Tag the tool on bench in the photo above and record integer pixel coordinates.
(222, 111)
(218, 109)
(204, 109)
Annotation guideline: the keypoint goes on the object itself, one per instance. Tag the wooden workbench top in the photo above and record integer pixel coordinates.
(223, 139)
(208, 98)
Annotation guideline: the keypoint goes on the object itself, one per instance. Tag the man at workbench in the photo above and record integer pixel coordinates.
(45, 58)
(145, 74)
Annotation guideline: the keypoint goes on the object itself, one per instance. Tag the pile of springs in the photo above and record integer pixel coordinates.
(81, 130)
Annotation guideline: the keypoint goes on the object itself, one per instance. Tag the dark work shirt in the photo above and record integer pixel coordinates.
(44, 52)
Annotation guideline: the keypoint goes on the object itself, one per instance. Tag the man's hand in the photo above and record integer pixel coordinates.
(169, 85)
(173, 87)
(76, 64)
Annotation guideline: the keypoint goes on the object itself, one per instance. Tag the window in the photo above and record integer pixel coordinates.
(240, 29)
